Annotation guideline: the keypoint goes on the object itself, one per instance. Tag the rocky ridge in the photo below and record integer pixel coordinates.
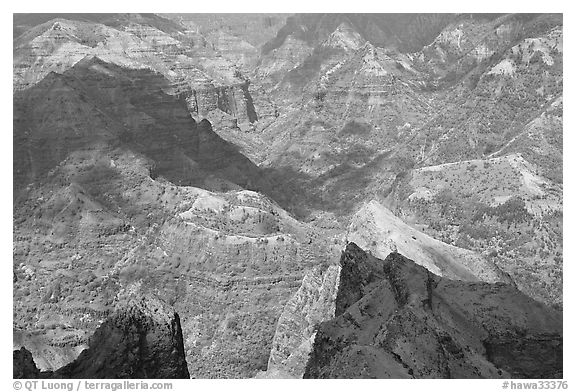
(376, 229)
(210, 83)
(395, 319)
(142, 338)
(184, 226)
(428, 105)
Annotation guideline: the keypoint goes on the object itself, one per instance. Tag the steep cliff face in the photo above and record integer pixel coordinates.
(127, 170)
(314, 302)
(411, 323)
(325, 293)
(100, 104)
(209, 81)
(141, 339)
(234, 100)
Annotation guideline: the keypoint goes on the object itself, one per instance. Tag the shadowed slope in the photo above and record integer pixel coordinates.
(97, 103)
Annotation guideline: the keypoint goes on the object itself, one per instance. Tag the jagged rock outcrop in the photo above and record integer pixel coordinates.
(141, 339)
(323, 295)
(313, 303)
(53, 350)
(23, 365)
(401, 321)
(342, 110)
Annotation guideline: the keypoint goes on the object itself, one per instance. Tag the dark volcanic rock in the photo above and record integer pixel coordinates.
(23, 364)
(534, 356)
(410, 323)
(141, 339)
(357, 272)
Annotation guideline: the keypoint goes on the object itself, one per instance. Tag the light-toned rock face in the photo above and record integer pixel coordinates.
(53, 350)
(324, 294)
(313, 303)
(345, 37)
(282, 59)
(375, 228)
